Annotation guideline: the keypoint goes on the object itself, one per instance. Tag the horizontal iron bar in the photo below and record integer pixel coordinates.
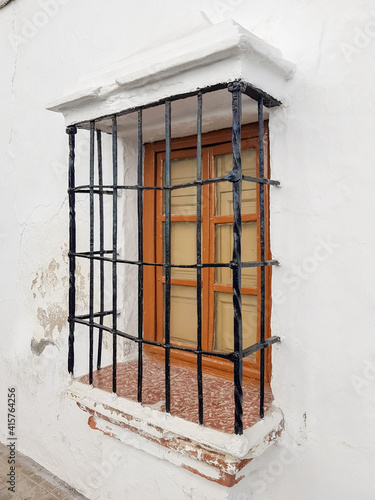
(260, 345)
(77, 319)
(87, 190)
(95, 315)
(260, 264)
(230, 178)
(231, 356)
(97, 252)
(232, 265)
(254, 93)
(250, 91)
(261, 181)
(160, 102)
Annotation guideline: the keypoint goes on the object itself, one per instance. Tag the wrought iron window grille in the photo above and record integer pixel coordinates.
(94, 320)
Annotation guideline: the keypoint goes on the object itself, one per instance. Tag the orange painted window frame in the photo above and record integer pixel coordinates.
(212, 142)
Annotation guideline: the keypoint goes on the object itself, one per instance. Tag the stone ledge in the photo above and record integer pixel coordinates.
(213, 454)
(205, 55)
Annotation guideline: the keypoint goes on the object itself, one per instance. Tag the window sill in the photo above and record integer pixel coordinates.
(212, 453)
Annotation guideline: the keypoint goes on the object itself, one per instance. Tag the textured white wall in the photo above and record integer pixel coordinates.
(322, 150)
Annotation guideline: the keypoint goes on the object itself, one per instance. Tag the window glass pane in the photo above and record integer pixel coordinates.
(224, 317)
(183, 200)
(183, 326)
(183, 249)
(224, 251)
(224, 194)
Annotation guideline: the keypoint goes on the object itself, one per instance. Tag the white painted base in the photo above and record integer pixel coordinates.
(210, 453)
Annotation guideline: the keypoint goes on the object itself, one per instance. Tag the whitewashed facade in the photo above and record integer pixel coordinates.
(322, 150)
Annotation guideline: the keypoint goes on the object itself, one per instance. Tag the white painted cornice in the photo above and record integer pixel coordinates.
(196, 54)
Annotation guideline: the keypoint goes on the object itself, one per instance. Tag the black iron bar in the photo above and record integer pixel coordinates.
(96, 256)
(167, 251)
(90, 254)
(270, 182)
(262, 255)
(80, 321)
(259, 346)
(249, 90)
(199, 261)
(230, 356)
(255, 93)
(71, 131)
(236, 90)
(101, 243)
(97, 190)
(201, 182)
(95, 315)
(114, 262)
(140, 257)
(160, 102)
(92, 270)
(260, 264)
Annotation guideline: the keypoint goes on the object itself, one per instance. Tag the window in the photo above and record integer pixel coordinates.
(203, 281)
(217, 246)
(133, 298)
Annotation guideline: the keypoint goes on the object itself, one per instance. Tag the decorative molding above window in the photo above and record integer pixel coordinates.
(205, 55)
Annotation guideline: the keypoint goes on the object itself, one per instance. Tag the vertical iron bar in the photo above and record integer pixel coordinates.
(71, 131)
(262, 253)
(236, 89)
(140, 256)
(199, 260)
(91, 299)
(101, 242)
(114, 254)
(167, 245)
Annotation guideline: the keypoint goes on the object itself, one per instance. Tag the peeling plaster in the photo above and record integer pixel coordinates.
(37, 348)
(46, 278)
(49, 287)
(51, 314)
(52, 317)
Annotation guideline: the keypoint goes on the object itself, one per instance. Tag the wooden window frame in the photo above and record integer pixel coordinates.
(211, 141)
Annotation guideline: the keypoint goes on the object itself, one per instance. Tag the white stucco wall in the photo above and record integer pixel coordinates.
(322, 150)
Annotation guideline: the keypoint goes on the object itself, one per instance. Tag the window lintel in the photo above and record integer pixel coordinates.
(205, 55)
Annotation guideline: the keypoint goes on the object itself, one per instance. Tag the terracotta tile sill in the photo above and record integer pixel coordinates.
(212, 450)
(217, 392)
